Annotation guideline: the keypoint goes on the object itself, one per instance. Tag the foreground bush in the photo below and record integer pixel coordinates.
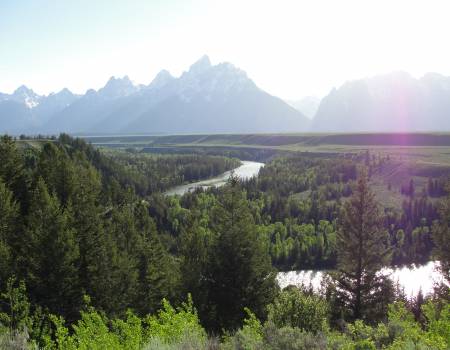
(295, 308)
(297, 321)
(168, 328)
(400, 332)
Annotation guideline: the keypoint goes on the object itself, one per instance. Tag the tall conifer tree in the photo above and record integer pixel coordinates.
(12, 171)
(9, 214)
(240, 273)
(51, 255)
(363, 249)
(158, 275)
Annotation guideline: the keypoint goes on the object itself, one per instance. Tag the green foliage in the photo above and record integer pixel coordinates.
(76, 235)
(51, 277)
(171, 325)
(95, 331)
(91, 332)
(149, 173)
(437, 316)
(12, 171)
(156, 277)
(195, 244)
(441, 238)
(363, 249)
(9, 213)
(404, 333)
(239, 272)
(16, 314)
(294, 308)
(288, 338)
(249, 337)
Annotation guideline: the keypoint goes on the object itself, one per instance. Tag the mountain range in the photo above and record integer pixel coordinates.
(387, 103)
(205, 99)
(223, 99)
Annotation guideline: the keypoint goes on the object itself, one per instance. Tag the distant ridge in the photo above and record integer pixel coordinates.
(349, 139)
(392, 102)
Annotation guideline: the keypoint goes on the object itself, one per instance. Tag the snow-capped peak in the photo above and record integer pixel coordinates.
(27, 96)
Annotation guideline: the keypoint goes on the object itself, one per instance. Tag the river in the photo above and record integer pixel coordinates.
(246, 170)
(411, 279)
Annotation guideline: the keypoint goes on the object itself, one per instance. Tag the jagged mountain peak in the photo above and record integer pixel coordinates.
(125, 79)
(206, 80)
(65, 91)
(161, 79)
(62, 92)
(118, 87)
(25, 95)
(201, 65)
(23, 89)
(113, 81)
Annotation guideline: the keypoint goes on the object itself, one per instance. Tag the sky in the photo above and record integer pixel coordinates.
(290, 49)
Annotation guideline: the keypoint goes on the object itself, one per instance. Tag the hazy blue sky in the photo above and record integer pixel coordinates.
(289, 48)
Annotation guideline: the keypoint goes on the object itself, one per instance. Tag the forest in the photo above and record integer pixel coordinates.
(94, 255)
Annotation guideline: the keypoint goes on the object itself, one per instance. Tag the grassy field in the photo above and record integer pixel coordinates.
(430, 149)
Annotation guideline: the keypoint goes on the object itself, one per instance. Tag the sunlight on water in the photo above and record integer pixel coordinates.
(411, 279)
(245, 171)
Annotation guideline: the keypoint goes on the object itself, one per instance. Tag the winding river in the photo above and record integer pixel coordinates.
(246, 170)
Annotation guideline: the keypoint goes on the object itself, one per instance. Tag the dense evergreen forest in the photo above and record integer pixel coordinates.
(93, 255)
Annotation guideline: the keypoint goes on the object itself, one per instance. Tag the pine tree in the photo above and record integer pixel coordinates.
(97, 248)
(195, 242)
(50, 256)
(240, 273)
(58, 172)
(9, 214)
(123, 257)
(363, 249)
(12, 171)
(158, 275)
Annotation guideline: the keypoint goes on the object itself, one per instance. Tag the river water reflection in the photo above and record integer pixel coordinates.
(411, 279)
(246, 170)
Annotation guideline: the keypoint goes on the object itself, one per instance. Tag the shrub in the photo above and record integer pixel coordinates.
(172, 325)
(249, 337)
(288, 338)
(15, 341)
(294, 308)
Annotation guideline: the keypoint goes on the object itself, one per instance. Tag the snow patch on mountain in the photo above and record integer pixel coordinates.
(26, 96)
